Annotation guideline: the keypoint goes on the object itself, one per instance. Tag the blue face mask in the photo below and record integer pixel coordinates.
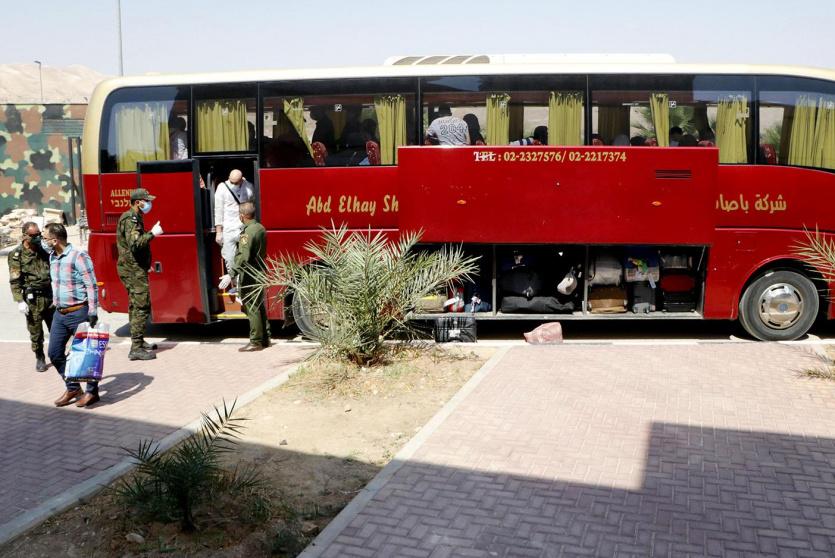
(45, 246)
(145, 207)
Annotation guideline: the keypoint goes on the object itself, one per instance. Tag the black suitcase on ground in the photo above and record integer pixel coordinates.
(642, 297)
(455, 328)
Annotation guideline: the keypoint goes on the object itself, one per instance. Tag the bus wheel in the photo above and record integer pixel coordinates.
(305, 318)
(779, 306)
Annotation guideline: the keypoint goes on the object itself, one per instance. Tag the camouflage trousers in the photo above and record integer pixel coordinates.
(259, 325)
(139, 306)
(40, 312)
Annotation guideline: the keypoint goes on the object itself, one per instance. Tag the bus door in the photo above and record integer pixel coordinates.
(178, 280)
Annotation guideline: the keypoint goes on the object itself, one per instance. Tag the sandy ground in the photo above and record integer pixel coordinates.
(317, 440)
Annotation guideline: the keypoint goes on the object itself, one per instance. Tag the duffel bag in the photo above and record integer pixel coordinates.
(605, 270)
(521, 281)
(535, 305)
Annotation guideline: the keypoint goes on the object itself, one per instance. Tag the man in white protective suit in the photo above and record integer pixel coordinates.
(228, 198)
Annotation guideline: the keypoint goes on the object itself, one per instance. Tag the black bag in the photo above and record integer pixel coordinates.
(642, 297)
(679, 302)
(521, 281)
(535, 305)
(455, 328)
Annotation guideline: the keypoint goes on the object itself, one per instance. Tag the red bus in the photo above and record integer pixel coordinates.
(660, 191)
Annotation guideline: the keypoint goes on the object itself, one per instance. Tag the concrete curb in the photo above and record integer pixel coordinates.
(91, 486)
(347, 515)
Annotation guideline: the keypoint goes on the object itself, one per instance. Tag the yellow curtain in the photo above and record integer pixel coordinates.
(565, 118)
(659, 104)
(731, 126)
(812, 140)
(221, 126)
(823, 153)
(391, 122)
(294, 109)
(803, 132)
(498, 119)
(613, 121)
(141, 134)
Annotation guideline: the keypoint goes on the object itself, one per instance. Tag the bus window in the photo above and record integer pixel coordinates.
(225, 118)
(144, 124)
(344, 125)
(699, 110)
(502, 111)
(797, 122)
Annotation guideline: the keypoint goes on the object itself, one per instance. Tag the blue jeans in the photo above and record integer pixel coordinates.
(62, 330)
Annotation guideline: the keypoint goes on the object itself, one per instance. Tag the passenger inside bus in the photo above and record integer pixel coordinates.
(474, 129)
(447, 129)
(324, 132)
(539, 137)
(687, 140)
(179, 139)
(287, 148)
(675, 135)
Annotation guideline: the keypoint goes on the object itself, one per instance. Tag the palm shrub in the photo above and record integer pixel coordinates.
(818, 252)
(358, 288)
(169, 486)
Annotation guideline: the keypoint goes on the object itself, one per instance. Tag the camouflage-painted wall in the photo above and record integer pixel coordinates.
(34, 156)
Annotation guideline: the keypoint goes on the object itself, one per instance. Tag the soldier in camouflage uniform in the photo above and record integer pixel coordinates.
(134, 245)
(32, 287)
(252, 250)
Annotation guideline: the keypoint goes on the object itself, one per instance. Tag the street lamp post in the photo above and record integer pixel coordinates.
(119, 15)
(40, 77)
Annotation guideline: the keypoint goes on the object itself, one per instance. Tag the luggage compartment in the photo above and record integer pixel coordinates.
(558, 282)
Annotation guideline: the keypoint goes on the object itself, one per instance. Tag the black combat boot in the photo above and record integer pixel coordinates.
(141, 354)
(40, 362)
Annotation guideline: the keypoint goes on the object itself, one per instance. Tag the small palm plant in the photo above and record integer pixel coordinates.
(169, 486)
(818, 252)
(359, 288)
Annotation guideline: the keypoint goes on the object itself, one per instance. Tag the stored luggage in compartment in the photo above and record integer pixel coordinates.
(642, 297)
(642, 265)
(605, 269)
(607, 300)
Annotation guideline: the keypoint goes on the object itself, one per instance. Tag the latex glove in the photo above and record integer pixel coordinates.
(219, 238)
(156, 230)
(93, 319)
(225, 281)
(23, 308)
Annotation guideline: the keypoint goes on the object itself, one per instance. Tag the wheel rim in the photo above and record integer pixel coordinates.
(780, 306)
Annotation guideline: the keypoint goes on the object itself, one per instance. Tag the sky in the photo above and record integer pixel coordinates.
(172, 36)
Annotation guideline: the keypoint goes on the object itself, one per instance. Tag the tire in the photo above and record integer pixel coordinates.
(305, 319)
(779, 306)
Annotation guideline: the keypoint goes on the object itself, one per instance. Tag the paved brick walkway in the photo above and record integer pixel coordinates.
(717, 450)
(45, 450)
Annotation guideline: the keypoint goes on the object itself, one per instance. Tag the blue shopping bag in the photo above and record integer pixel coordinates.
(86, 361)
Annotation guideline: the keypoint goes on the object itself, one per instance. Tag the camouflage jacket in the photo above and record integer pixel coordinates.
(252, 250)
(133, 243)
(29, 270)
